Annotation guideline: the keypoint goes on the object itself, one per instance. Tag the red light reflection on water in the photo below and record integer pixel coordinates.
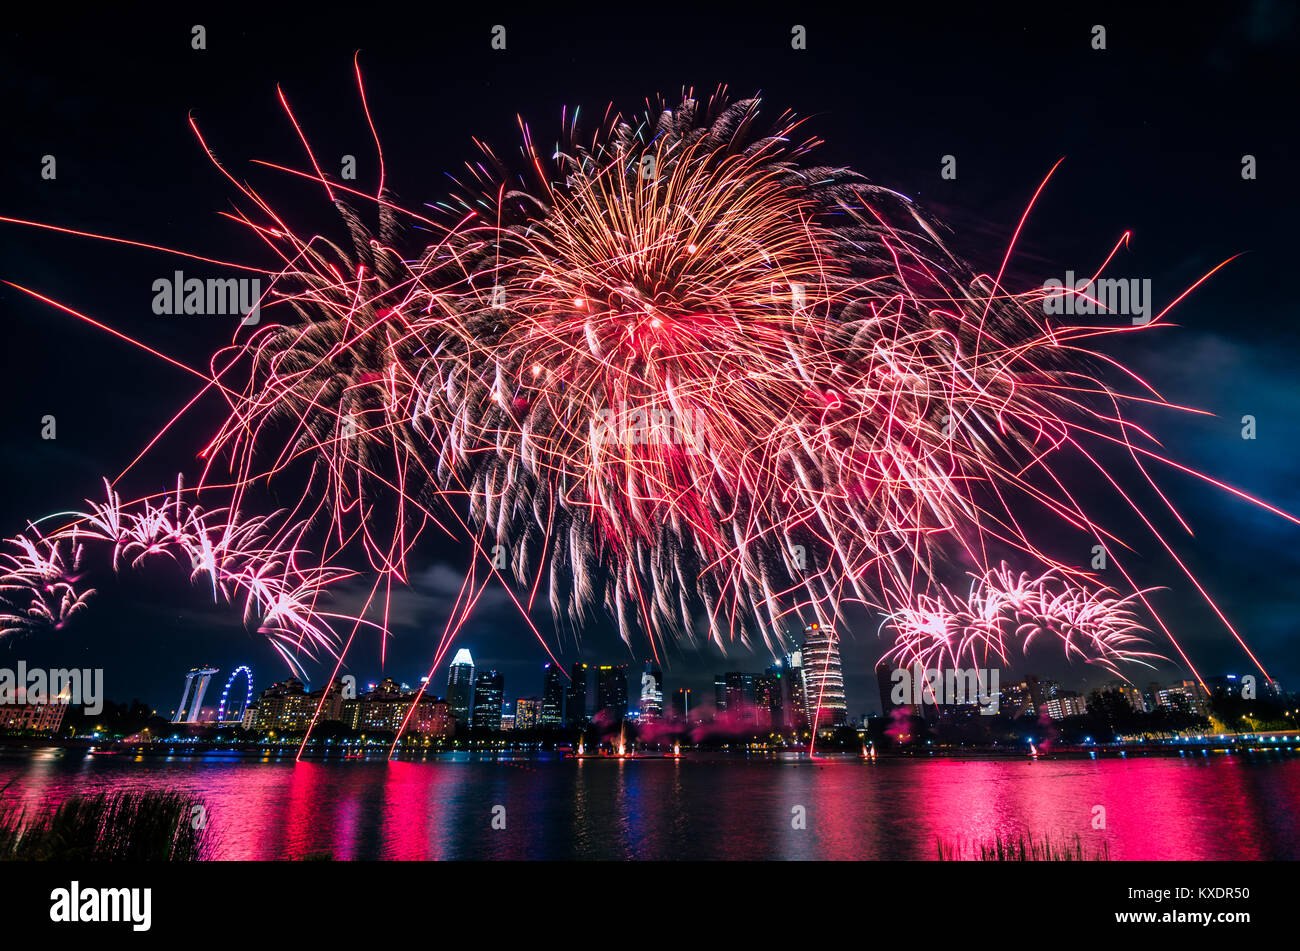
(1215, 807)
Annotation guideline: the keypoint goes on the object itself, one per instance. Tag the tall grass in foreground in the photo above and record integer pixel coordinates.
(147, 826)
(1021, 849)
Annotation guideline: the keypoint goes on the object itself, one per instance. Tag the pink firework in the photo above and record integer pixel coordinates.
(677, 374)
(1004, 609)
(251, 563)
(39, 580)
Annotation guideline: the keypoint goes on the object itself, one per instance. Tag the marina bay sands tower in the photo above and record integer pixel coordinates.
(196, 685)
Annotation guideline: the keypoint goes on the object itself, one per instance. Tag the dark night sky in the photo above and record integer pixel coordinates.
(1152, 131)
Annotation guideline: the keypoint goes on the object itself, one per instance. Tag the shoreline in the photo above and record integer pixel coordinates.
(259, 752)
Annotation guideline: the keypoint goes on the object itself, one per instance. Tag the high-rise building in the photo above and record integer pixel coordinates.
(1222, 685)
(1197, 700)
(196, 685)
(37, 713)
(489, 696)
(552, 698)
(1185, 697)
(1065, 703)
(611, 691)
(575, 697)
(740, 696)
(769, 698)
(460, 687)
(796, 691)
(285, 707)
(432, 718)
(528, 713)
(652, 692)
(382, 709)
(329, 700)
(720, 693)
(825, 675)
(1014, 700)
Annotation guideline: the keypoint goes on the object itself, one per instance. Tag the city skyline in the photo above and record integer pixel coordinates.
(764, 712)
(170, 619)
(1152, 693)
(845, 434)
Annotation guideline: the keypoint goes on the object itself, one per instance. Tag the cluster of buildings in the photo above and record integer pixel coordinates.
(784, 696)
(476, 698)
(24, 716)
(1047, 698)
(801, 691)
(288, 707)
(806, 685)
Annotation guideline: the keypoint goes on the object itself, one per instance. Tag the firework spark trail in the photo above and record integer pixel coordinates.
(808, 370)
(674, 371)
(945, 630)
(38, 585)
(245, 561)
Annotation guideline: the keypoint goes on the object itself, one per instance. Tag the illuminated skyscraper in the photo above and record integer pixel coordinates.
(719, 693)
(824, 676)
(652, 692)
(1196, 696)
(528, 713)
(489, 697)
(39, 714)
(796, 691)
(769, 698)
(1132, 695)
(552, 698)
(575, 697)
(1041, 691)
(611, 691)
(285, 707)
(1065, 704)
(460, 687)
(740, 696)
(383, 708)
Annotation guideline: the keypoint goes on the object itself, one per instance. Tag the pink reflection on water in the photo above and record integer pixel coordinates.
(1156, 808)
(1213, 807)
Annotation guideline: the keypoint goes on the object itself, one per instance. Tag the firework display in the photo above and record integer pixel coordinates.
(704, 374)
(247, 562)
(673, 372)
(39, 585)
(1003, 608)
(486, 434)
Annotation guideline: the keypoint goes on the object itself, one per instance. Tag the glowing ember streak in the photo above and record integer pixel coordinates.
(946, 630)
(676, 372)
(248, 562)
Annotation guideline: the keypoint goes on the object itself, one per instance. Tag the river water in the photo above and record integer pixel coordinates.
(1216, 806)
